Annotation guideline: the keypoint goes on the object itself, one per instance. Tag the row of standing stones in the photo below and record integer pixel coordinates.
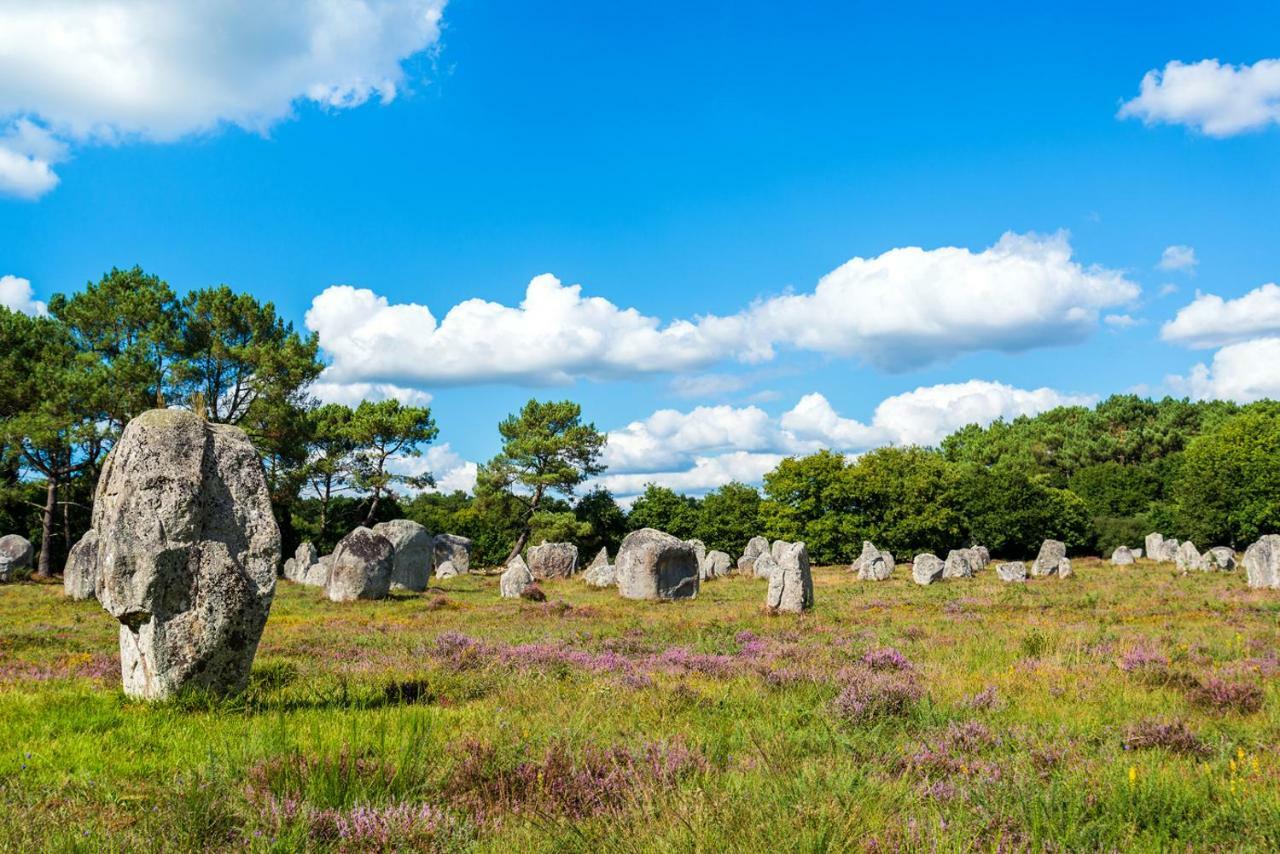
(183, 551)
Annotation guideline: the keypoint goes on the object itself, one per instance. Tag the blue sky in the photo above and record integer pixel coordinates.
(702, 161)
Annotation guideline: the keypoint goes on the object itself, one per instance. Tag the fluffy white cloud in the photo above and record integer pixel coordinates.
(1178, 257)
(900, 310)
(113, 70)
(16, 293)
(1211, 321)
(702, 474)
(669, 438)
(450, 471)
(910, 307)
(351, 394)
(1219, 100)
(1120, 321)
(1241, 372)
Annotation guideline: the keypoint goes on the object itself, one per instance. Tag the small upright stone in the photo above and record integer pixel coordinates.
(1152, 544)
(553, 560)
(983, 556)
(756, 546)
(1012, 571)
(1137, 553)
(1168, 551)
(791, 585)
(926, 568)
(317, 575)
(454, 549)
(414, 553)
(1262, 562)
(361, 568)
(516, 578)
(699, 550)
(1051, 553)
(80, 575)
(601, 573)
(1122, 556)
(765, 566)
(601, 559)
(655, 565)
(1187, 557)
(1219, 558)
(15, 554)
(715, 565)
(959, 564)
(1064, 568)
(447, 570)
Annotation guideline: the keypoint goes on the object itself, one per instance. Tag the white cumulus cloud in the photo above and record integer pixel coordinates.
(1211, 321)
(1178, 257)
(105, 71)
(1217, 99)
(1242, 372)
(450, 471)
(16, 293)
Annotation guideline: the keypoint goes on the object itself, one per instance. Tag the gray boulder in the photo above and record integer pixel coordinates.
(15, 554)
(765, 566)
(1262, 562)
(515, 578)
(756, 546)
(699, 550)
(447, 570)
(455, 550)
(553, 560)
(1187, 557)
(1051, 554)
(289, 571)
(601, 559)
(777, 548)
(187, 553)
(1064, 568)
(1122, 556)
(1012, 571)
(791, 585)
(1218, 558)
(655, 565)
(927, 568)
(316, 575)
(715, 565)
(1152, 545)
(1137, 553)
(80, 575)
(361, 567)
(872, 564)
(414, 553)
(1168, 551)
(601, 574)
(983, 556)
(959, 564)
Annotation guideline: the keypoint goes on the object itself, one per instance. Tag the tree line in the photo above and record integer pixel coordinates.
(1094, 477)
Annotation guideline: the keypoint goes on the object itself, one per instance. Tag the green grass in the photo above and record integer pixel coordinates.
(642, 726)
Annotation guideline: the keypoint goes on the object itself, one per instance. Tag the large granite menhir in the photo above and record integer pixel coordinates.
(187, 549)
(655, 565)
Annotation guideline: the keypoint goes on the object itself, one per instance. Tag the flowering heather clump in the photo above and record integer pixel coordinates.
(392, 828)
(1223, 696)
(596, 781)
(1143, 658)
(886, 658)
(461, 652)
(987, 698)
(1171, 735)
(871, 694)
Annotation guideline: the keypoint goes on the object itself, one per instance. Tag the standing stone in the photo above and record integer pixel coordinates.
(299, 568)
(187, 553)
(316, 575)
(699, 550)
(1064, 568)
(1262, 562)
(447, 570)
(756, 546)
(1168, 551)
(1218, 558)
(601, 573)
(983, 556)
(1187, 557)
(289, 572)
(926, 568)
(869, 552)
(1152, 545)
(1137, 553)
(776, 550)
(553, 560)
(516, 578)
(15, 554)
(791, 585)
(765, 566)
(1012, 571)
(361, 568)
(872, 564)
(454, 549)
(1051, 553)
(1122, 556)
(414, 553)
(80, 575)
(601, 559)
(715, 565)
(959, 564)
(655, 565)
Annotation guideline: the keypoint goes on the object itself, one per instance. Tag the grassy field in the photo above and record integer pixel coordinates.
(1125, 708)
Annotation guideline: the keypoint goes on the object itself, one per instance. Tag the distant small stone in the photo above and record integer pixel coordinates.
(1187, 557)
(714, 565)
(983, 556)
(1153, 543)
(791, 585)
(699, 550)
(756, 546)
(927, 568)
(361, 567)
(447, 570)
(959, 564)
(1122, 556)
(1262, 562)
(1137, 553)
(15, 554)
(1064, 568)
(765, 566)
(80, 575)
(1168, 551)
(455, 549)
(553, 560)
(1051, 553)
(601, 559)
(516, 578)
(872, 564)
(601, 575)
(1012, 571)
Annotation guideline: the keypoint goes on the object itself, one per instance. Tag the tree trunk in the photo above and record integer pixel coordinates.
(527, 528)
(373, 508)
(44, 567)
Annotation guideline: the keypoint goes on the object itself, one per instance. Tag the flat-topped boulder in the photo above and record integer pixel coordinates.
(1152, 545)
(652, 564)
(1014, 570)
(960, 563)
(1051, 554)
(553, 560)
(1218, 558)
(187, 550)
(15, 554)
(454, 549)
(361, 567)
(791, 585)
(414, 553)
(927, 568)
(516, 578)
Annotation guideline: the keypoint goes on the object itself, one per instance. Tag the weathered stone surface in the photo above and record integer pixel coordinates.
(553, 560)
(764, 566)
(699, 550)
(959, 564)
(1187, 557)
(316, 575)
(927, 568)
(983, 556)
(15, 554)
(1168, 551)
(601, 575)
(455, 550)
(361, 567)
(414, 553)
(873, 564)
(289, 572)
(1137, 553)
(1152, 545)
(1218, 558)
(715, 565)
(1051, 552)
(1012, 571)
(601, 559)
(1262, 562)
(516, 578)
(777, 548)
(187, 553)
(80, 575)
(1064, 568)
(655, 565)
(297, 566)
(1122, 556)
(756, 546)
(447, 570)
(791, 585)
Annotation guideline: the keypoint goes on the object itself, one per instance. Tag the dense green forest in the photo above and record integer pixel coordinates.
(1095, 478)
